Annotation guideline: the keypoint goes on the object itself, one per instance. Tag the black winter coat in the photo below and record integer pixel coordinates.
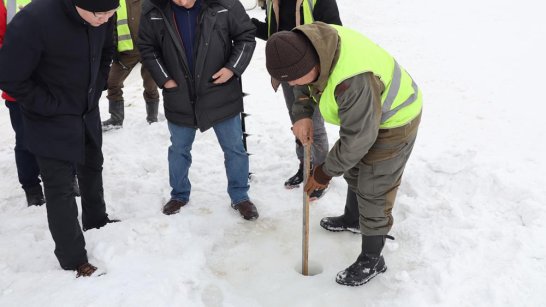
(324, 10)
(225, 38)
(56, 66)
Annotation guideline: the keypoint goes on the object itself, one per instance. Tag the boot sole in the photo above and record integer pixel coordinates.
(365, 281)
(340, 229)
(110, 128)
(291, 186)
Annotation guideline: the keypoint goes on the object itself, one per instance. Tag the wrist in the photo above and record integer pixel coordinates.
(320, 176)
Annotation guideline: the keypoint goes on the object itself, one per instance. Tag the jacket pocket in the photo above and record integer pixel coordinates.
(171, 90)
(380, 170)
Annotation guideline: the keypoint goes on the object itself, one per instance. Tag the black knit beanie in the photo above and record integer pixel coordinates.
(97, 5)
(289, 55)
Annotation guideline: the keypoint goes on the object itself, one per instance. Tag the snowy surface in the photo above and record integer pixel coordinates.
(469, 217)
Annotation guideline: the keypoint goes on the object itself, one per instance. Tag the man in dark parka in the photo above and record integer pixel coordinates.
(196, 51)
(55, 62)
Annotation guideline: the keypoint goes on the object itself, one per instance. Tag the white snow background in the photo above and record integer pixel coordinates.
(469, 217)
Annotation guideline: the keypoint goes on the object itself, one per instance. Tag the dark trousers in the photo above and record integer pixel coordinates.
(62, 211)
(120, 70)
(27, 167)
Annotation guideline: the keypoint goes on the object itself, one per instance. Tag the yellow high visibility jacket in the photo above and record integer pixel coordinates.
(401, 100)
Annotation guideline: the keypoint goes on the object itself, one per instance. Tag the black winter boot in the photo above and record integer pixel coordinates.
(367, 265)
(35, 196)
(117, 114)
(339, 223)
(151, 111)
(101, 224)
(349, 221)
(294, 181)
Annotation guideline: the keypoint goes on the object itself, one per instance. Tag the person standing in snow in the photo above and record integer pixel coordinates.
(25, 161)
(126, 57)
(58, 87)
(196, 51)
(284, 15)
(377, 106)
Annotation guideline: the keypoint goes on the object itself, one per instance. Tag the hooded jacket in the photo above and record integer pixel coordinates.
(359, 100)
(56, 66)
(225, 38)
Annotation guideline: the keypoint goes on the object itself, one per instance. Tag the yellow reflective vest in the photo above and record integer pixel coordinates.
(125, 42)
(308, 6)
(13, 6)
(401, 101)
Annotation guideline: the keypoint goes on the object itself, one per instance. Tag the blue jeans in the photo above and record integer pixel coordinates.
(230, 137)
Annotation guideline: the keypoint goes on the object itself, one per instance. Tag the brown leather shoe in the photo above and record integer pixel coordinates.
(247, 210)
(85, 270)
(173, 206)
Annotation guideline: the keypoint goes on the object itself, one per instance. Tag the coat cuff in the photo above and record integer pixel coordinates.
(320, 176)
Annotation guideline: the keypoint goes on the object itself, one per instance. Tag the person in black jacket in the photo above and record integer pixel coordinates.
(196, 51)
(284, 15)
(54, 62)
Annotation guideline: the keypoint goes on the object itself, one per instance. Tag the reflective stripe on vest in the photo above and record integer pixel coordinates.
(125, 42)
(13, 6)
(308, 7)
(401, 100)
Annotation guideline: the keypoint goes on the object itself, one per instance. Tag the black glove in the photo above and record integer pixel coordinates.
(256, 22)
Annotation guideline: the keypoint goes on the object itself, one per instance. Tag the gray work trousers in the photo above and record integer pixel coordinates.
(376, 178)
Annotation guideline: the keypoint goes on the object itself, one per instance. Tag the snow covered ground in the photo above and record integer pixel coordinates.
(469, 218)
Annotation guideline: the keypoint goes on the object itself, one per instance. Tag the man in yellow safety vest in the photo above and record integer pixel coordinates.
(126, 57)
(377, 105)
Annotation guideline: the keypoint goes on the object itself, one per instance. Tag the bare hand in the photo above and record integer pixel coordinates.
(222, 76)
(303, 130)
(170, 84)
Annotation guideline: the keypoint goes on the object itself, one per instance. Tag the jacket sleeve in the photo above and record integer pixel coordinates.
(359, 109)
(242, 33)
(106, 56)
(150, 52)
(261, 27)
(327, 12)
(19, 57)
(303, 104)
(115, 56)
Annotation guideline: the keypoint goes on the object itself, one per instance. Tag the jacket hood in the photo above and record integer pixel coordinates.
(326, 42)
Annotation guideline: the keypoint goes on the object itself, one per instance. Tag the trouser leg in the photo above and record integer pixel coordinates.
(379, 176)
(230, 136)
(62, 212)
(180, 161)
(27, 167)
(91, 187)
